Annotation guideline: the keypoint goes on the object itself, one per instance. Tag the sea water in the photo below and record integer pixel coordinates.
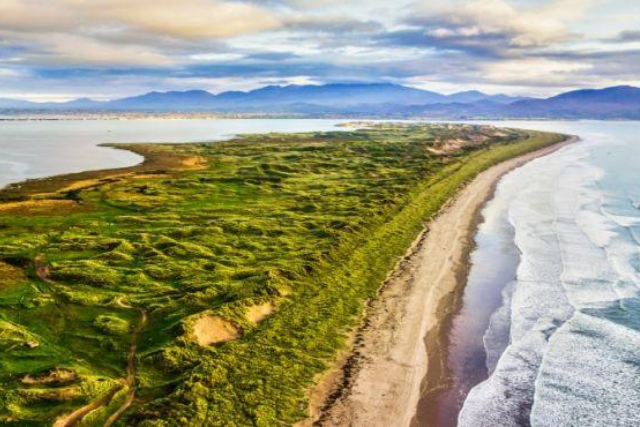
(36, 149)
(561, 346)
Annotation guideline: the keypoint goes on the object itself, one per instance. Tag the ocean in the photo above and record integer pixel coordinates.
(549, 330)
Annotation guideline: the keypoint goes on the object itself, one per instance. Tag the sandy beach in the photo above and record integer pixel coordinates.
(397, 354)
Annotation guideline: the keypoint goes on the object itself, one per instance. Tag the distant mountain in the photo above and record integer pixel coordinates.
(14, 103)
(272, 98)
(329, 97)
(621, 102)
(79, 104)
(180, 101)
(608, 103)
(367, 99)
(473, 96)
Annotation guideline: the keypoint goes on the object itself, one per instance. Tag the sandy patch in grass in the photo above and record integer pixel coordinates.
(39, 207)
(210, 329)
(79, 185)
(257, 313)
(151, 176)
(57, 377)
(193, 162)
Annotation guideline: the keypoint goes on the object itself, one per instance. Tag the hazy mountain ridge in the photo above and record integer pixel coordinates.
(366, 99)
(334, 96)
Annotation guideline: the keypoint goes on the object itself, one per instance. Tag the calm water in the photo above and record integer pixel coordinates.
(549, 332)
(35, 149)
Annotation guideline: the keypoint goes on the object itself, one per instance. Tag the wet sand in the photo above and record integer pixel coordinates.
(399, 352)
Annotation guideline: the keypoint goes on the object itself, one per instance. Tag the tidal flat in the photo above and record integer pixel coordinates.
(213, 284)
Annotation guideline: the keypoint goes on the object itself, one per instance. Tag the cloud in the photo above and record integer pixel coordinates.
(35, 15)
(129, 46)
(495, 26)
(328, 24)
(125, 33)
(10, 73)
(186, 18)
(627, 36)
(222, 84)
(78, 50)
(530, 71)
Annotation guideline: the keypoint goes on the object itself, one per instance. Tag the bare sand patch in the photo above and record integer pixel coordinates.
(151, 176)
(82, 184)
(193, 162)
(210, 329)
(56, 376)
(257, 313)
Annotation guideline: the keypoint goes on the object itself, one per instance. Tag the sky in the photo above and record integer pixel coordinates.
(56, 50)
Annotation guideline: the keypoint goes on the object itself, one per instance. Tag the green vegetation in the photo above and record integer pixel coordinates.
(229, 272)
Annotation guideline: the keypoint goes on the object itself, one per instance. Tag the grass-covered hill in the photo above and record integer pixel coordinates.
(213, 284)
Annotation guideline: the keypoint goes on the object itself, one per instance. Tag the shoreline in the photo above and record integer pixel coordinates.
(160, 162)
(399, 353)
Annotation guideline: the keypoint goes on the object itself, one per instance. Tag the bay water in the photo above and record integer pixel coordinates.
(40, 148)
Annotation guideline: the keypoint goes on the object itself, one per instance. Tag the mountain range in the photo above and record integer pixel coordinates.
(365, 99)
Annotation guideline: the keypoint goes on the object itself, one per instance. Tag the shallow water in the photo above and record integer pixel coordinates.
(36, 149)
(561, 346)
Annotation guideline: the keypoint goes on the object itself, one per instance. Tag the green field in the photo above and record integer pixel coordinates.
(211, 285)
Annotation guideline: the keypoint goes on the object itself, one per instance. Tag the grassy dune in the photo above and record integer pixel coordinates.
(228, 272)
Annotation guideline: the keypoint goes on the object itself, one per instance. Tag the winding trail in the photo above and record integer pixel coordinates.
(42, 271)
(130, 379)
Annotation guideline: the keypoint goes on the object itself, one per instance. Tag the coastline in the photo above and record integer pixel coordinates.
(399, 352)
(162, 161)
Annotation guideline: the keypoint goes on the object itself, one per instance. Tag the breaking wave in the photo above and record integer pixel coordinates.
(564, 347)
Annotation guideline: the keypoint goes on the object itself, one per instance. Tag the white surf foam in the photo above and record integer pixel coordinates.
(574, 331)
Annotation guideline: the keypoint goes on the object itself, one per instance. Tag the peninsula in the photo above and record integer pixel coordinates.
(219, 283)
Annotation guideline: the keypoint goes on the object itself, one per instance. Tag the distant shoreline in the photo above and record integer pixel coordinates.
(168, 116)
(401, 351)
(241, 116)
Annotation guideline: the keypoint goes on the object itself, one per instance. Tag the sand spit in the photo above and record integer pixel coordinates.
(398, 352)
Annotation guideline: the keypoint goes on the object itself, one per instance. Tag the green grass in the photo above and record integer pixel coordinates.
(310, 222)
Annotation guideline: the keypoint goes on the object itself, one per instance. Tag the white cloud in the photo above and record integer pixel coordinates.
(524, 27)
(78, 50)
(10, 73)
(531, 71)
(522, 46)
(222, 84)
(186, 18)
(217, 57)
(123, 32)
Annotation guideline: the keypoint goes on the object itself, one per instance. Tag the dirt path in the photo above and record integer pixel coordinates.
(42, 271)
(399, 351)
(130, 379)
(77, 415)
